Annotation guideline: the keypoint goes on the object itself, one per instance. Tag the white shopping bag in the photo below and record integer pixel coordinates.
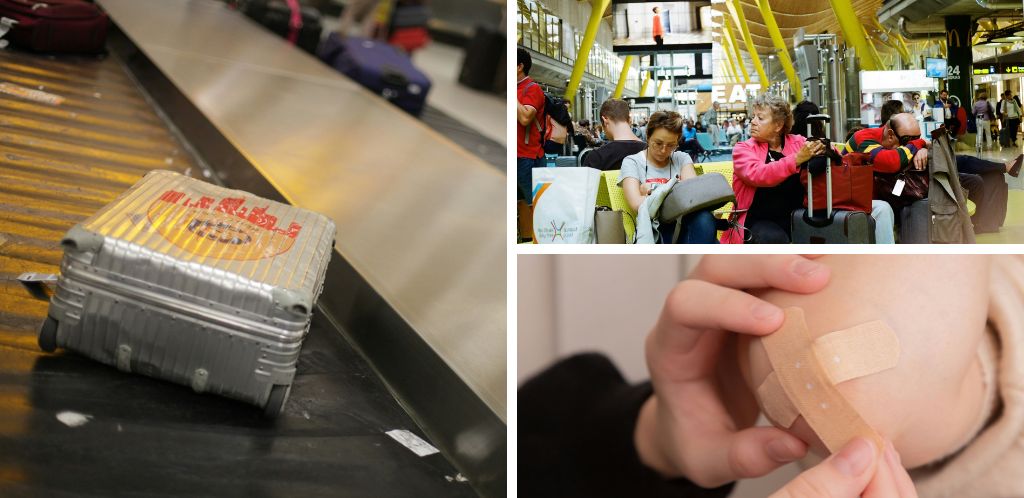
(564, 200)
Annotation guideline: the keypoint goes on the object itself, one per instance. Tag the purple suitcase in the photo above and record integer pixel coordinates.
(379, 67)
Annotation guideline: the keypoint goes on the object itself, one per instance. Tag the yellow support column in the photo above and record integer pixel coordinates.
(737, 14)
(622, 77)
(583, 53)
(727, 30)
(787, 63)
(643, 86)
(853, 34)
(731, 65)
(871, 45)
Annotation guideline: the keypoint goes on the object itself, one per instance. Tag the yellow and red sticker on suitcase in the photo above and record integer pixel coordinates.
(220, 228)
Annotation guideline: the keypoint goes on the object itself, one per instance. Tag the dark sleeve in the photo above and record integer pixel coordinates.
(576, 424)
(593, 159)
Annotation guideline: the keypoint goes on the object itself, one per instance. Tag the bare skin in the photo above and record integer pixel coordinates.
(928, 402)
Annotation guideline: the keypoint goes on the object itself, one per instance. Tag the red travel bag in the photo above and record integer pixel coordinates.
(56, 26)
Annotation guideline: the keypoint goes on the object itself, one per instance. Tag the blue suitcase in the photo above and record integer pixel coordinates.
(379, 67)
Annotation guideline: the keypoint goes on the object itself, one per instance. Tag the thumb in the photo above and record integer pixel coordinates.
(757, 451)
(842, 475)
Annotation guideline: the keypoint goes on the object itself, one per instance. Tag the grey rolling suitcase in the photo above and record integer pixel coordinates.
(837, 226)
(193, 283)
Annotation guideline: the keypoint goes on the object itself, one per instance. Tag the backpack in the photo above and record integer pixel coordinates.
(555, 109)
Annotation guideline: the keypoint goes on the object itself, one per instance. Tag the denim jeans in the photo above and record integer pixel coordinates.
(524, 175)
(697, 228)
(881, 211)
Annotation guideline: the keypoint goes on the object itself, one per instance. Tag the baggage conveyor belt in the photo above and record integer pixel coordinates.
(59, 162)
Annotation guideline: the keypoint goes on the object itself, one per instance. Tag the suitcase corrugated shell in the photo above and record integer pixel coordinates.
(197, 284)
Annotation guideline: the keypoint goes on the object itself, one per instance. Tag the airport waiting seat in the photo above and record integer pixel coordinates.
(610, 194)
(710, 149)
(583, 154)
(565, 162)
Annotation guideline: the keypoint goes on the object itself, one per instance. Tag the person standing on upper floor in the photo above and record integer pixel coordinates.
(1010, 112)
(621, 140)
(529, 116)
(657, 30)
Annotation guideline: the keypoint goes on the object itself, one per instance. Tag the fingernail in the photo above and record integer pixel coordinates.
(781, 452)
(855, 457)
(765, 311)
(805, 268)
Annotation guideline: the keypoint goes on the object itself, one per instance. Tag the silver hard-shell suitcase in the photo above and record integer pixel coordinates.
(197, 284)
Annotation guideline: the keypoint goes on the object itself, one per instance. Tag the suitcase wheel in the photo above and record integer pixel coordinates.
(48, 335)
(275, 403)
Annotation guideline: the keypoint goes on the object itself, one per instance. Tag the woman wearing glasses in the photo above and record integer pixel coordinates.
(766, 170)
(649, 169)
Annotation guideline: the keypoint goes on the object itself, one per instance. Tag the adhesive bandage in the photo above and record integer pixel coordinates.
(805, 372)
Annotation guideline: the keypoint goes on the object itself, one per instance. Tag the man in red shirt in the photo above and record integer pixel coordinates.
(529, 116)
(891, 149)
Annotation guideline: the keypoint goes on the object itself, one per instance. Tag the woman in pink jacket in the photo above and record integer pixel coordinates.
(766, 175)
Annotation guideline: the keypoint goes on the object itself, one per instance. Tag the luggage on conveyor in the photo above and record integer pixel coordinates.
(379, 67)
(56, 26)
(289, 19)
(197, 284)
(484, 65)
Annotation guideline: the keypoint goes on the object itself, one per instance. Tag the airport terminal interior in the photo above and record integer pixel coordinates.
(848, 58)
(395, 132)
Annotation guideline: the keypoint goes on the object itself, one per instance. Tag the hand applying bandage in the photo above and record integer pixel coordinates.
(686, 429)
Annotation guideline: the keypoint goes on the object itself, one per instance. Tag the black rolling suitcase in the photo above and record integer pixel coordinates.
(829, 226)
(914, 221)
(484, 68)
(1004, 136)
(299, 25)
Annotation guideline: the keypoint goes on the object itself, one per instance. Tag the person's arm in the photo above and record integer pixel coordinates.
(576, 426)
(888, 160)
(686, 170)
(525, 114)
(631, 189)
(750, 166)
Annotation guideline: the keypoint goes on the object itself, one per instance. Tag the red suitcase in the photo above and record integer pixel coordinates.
(56, 26)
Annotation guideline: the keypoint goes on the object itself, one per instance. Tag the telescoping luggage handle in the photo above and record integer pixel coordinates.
(828, 174)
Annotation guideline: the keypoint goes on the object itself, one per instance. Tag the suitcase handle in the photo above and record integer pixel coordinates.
(391, 75)
(809, 214)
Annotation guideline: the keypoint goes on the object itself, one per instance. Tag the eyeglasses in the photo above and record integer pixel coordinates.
(902, 139)
(657, 144)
